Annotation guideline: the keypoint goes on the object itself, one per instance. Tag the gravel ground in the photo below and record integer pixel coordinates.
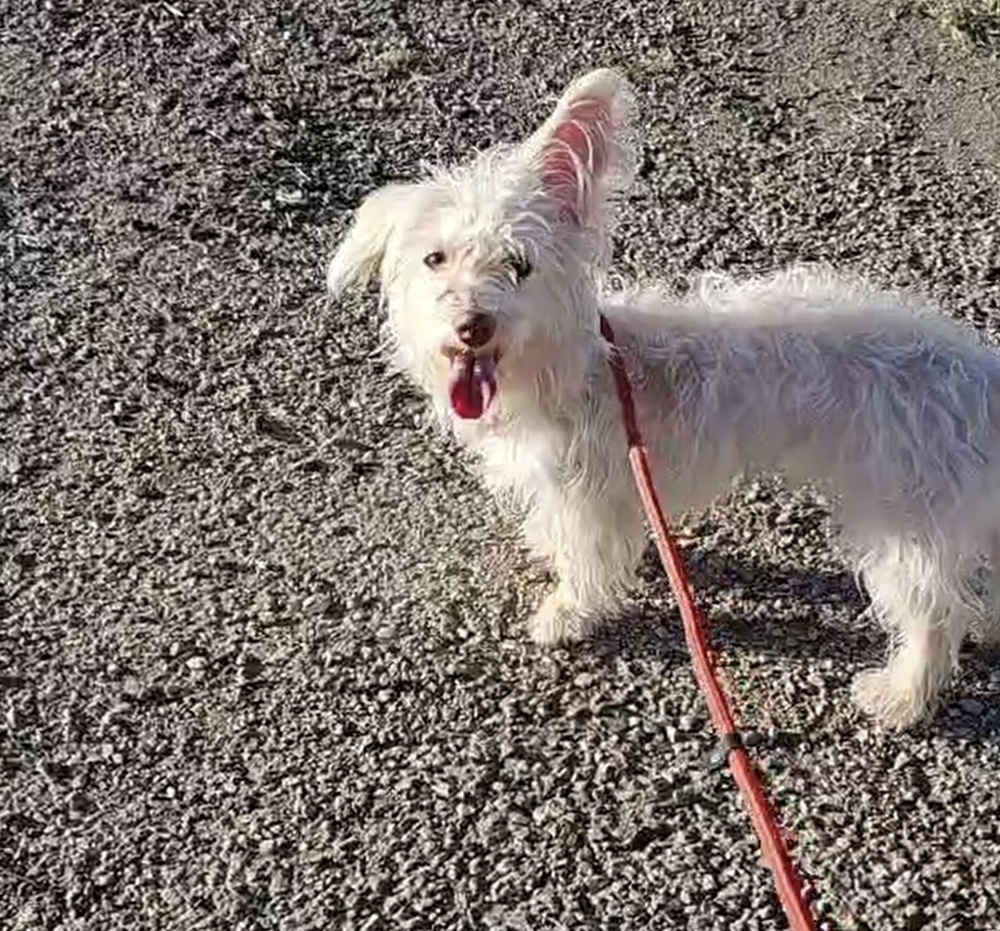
(263, 661)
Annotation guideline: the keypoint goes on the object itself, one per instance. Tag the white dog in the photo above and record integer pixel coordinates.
(491, 275)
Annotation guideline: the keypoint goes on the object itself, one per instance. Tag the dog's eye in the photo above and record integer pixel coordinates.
(434, 259)
(520, 266)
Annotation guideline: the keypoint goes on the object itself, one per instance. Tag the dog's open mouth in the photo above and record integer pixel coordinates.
(473, 384)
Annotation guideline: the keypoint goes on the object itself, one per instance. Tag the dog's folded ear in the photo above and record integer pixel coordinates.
(583, 151)
(360, 254)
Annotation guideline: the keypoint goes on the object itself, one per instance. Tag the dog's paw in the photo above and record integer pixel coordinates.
(894, 708)
(557, 621)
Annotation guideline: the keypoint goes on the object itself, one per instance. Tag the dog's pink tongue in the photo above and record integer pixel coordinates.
(473, 384)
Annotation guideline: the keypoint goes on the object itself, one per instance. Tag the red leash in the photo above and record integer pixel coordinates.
(786, 878)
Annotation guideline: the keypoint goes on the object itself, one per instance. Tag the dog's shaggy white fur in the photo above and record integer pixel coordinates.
(491, 275)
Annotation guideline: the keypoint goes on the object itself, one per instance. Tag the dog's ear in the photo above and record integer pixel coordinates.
(359, 256)
(583, 150)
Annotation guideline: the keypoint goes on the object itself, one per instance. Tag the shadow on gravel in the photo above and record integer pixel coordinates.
(644, 633)
(319, 173)
(952, 725)
(790, 612)
(826, 624)
(970, 709)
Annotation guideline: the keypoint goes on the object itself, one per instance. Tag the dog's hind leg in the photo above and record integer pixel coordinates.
(595, 542)
(921, 602)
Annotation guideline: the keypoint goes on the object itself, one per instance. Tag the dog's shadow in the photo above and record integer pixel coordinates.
(829, 622)
(834, 630)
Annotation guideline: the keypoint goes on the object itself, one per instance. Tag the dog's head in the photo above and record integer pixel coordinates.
(487, 269)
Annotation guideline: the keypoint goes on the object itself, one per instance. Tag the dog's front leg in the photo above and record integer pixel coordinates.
(594, 539)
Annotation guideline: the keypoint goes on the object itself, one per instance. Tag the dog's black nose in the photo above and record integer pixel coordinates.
(476, 330)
